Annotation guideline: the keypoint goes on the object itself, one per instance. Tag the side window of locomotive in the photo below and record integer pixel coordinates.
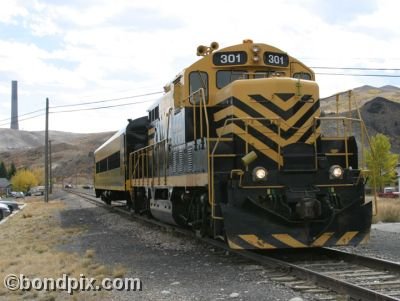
(302, 75)
(227, 76)
(198, 80)
(154, 114)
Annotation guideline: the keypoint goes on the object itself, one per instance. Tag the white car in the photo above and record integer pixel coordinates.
(10, 203)
(4, 211)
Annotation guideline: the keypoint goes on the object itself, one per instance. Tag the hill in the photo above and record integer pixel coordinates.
(380, 115)
(72, 153)
(361, 95)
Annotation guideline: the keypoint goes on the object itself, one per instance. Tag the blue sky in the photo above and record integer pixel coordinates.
(82, 51)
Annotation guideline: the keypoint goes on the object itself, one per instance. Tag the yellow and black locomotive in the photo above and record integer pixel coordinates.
(235, 149)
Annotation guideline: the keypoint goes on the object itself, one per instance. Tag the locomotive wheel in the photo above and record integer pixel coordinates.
(141, 204)
(105, 199)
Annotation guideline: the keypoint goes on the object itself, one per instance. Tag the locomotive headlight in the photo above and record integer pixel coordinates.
(256, 59)
(259, 174)
(335, 172)
(256, 49)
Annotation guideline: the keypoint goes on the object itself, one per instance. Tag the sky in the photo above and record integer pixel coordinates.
(122, 52)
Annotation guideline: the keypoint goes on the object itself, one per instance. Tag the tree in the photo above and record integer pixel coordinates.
(39, 175)
(381, 162)
(23, 180)
(11, 171)
(3, 170)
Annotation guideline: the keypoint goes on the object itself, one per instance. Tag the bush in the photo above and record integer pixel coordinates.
(23, 180)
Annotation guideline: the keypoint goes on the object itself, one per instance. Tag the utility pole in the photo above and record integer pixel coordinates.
(50, 170)
(46, 155)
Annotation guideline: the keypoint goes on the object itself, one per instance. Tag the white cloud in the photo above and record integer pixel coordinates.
(80, 51)
(11, 9)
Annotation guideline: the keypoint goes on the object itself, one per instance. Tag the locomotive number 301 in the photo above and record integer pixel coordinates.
(230, 58)
(276, 59)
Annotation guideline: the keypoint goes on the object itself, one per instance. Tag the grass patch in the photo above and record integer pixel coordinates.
(388, 211)
(29, 246)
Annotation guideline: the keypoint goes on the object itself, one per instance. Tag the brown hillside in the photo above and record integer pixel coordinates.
(380, 115)
(72, 159)
(361, 95)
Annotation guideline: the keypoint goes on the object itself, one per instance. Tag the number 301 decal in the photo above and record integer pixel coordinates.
(230, 58)
(276, 59)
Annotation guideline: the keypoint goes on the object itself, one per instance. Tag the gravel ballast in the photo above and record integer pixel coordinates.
(174, 267)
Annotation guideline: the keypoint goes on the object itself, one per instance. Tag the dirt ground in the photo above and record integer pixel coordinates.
(71, 236)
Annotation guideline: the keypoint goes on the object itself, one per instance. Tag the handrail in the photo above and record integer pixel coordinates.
(246, 120)
(363, 132)
(139, 161)
(346, 131)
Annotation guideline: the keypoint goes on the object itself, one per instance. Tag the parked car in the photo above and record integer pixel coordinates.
(12, 205)
(389, 192)
(36, 191)
(87, 186)
(4, 211)
(19, 194)
(68, 186)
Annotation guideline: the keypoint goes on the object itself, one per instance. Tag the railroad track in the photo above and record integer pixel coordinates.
(324, 273)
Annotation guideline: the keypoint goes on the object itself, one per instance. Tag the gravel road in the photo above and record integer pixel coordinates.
(173, 267)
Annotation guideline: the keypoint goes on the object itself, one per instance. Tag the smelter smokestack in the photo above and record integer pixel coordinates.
(14, 105)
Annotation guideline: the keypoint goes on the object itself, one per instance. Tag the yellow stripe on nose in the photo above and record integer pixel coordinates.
(256, 241)
(365, 239)
(288, 240)
(320, 241)
(346, 238)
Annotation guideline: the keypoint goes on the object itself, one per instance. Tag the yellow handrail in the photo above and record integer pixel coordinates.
(139, 161)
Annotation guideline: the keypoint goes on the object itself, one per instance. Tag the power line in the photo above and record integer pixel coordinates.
(9, 119)
(99, 108)
(357, 68)
(4, 124)
(83, 103)
(354, 74)
(107, 100)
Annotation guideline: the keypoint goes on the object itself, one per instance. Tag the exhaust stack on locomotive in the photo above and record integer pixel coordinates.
(236, 149)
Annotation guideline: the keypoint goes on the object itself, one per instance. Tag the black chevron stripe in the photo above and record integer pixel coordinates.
(260, 136)
(273, 127)
(277, 110)
(285, 96)
(268, 161)
(309, 132)
(255, 133)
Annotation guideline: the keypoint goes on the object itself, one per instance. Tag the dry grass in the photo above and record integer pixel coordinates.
(29, 242)
(388, 211)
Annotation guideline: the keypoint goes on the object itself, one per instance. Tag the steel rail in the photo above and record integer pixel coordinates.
(356, 292)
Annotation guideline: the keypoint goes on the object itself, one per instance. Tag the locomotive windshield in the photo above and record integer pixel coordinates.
(225, 77)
